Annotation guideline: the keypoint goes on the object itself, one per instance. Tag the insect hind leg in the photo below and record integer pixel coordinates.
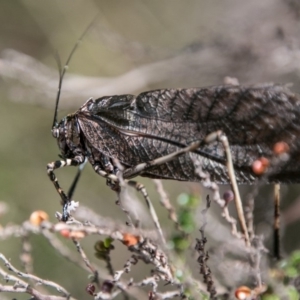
(65, 201)
(142, 189)
(113, 181)
(138, 169)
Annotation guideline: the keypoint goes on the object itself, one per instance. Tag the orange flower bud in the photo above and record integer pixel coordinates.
(37, 217)
(243, 293)
(280, 148)
(260, 165)
(65, 233)
(130, 240)
(72, 234)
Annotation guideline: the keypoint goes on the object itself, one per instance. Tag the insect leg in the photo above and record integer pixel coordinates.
(134, 171)
(77, 160)
(104, 174)
(217, 135)
(139, 187)
(76, 179)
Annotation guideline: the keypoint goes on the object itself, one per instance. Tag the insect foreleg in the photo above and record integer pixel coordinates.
(76, 179)
(77, 160)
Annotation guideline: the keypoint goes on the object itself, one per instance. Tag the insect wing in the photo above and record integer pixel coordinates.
(247, 115)
(104, 139)
(253, 118)
(157, 123)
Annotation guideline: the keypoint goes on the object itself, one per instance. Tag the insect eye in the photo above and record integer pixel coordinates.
(90, 106)
(55, 133)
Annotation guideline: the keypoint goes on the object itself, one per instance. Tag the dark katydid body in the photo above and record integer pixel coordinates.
(139, 129)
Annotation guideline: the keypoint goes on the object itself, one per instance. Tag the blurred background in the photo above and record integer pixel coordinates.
(133, 46)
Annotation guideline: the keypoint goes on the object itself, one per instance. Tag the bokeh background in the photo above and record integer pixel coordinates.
(132, 46)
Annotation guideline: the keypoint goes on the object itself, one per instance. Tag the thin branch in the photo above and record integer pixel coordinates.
(203, 255)
(21, 286)
(165, 201)
(277, 253)
(49, 283)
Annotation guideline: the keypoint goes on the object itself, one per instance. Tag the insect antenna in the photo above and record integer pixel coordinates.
(62, 72)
